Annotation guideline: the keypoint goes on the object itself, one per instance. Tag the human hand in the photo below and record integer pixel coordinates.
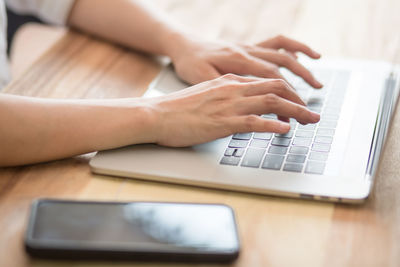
(197, 61)
(224, 106)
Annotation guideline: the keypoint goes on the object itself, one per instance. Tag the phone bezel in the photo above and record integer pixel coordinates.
(54, 249)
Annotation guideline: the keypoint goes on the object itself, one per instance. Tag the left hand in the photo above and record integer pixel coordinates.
(197, 61)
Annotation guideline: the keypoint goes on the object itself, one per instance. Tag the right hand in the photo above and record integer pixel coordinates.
(224, 106)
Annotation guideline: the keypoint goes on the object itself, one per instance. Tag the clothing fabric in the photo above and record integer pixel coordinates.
(51, 11)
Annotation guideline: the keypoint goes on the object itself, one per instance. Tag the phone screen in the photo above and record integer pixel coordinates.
(140, 225)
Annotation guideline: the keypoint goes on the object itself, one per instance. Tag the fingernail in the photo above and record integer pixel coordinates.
(315, 116)
(316, 54)
(318, 83)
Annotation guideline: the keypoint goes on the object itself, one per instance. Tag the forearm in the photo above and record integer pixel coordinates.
(130, 23)
(36, 130)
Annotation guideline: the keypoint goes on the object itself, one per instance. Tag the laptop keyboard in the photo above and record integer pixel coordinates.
(305, 148)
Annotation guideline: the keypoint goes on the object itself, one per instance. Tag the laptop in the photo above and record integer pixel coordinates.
(333, 160)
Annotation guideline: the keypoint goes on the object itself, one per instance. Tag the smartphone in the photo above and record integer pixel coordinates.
(144, 231)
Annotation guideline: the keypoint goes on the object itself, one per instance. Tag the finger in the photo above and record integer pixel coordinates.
(211, 73)
(274, 86)
(249, 65)
(200, 74)
(241, 79)
(287, 61)
(272, 103)
(254, 123)
(284, 119)
(289, 45)
(293, 54)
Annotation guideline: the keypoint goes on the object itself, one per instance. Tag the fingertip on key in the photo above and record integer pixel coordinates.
(318, 84)
(315, 117)
(316, 54)
(284, 127)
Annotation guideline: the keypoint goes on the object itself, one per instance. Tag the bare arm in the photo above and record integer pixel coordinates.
(35, 130)
(132, 23)
(136, 24)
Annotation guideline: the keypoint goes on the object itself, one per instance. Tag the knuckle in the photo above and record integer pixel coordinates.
(280, 37)
(273, 70)
(231, 50)
(280, 83)
(215, 83)
(250, 121)
(238, 53)
(271, 100)
(230, 76)
(302, 111)
(234, 77)
(286, 60)
(227, 90)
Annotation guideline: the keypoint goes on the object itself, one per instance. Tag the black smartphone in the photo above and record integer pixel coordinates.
(150, 231)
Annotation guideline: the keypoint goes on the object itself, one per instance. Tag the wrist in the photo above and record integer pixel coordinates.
(144, 122)
(176, 43)
(124, 122)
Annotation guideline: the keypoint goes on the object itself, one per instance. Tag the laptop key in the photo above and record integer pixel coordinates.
(332, 110)
(281, 150)
(336, 103)
(238, 143)
(269, 116)
(253, 157)
(265, 136)
(318, 156)
(280, 141)
(286, 135)
(296, 158)
(272, 162)
(315, 109)
(327, 124)
(314, 104)
(293, 167)
(300, 141)
(259, 143)
(315, 167)
(323, 139)
(321, 147)
(325, 132)
(293, 124)
(330, 116)
(238, 152)
(302, 150)
(306, 127)
(308, 134)
(229, 151)
(242, 136)
(234, 161)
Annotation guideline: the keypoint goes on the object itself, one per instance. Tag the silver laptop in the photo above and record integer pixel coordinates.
(333, 160)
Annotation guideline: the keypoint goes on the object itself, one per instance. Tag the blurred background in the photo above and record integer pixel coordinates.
(336, 28)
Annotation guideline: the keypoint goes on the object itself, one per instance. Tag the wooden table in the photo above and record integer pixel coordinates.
(274, 231)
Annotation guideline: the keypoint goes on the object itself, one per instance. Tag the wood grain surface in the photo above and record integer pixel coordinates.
(274, 231)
